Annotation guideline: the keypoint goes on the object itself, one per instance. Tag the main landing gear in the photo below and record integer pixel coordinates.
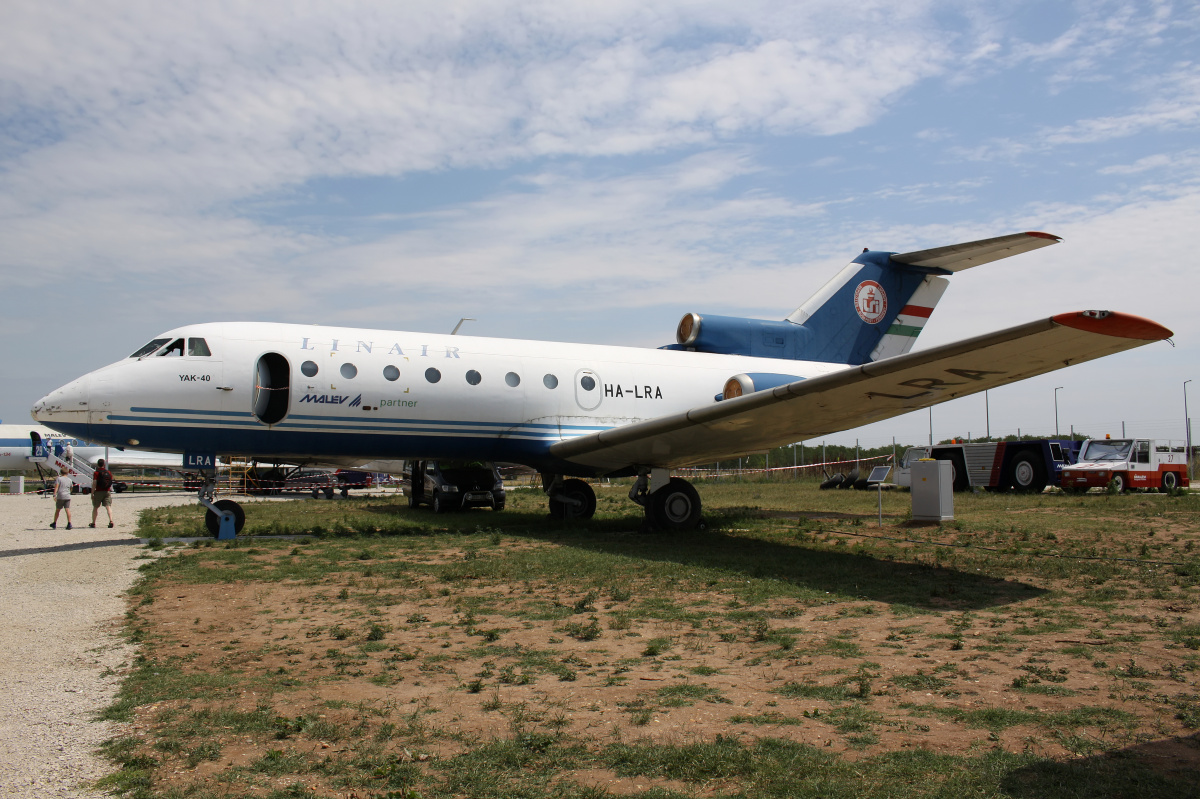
(225, 518)
(569, 499)
(671, 503)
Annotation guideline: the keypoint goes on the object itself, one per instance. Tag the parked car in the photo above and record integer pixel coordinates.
(454, 485)
(325, 481)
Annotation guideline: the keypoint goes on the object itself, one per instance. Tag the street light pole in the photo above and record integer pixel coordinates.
(1187, 429)
(1056, 411)
(987, 416)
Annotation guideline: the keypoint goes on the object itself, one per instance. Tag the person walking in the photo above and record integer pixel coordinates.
(102, 481)
(62, 498)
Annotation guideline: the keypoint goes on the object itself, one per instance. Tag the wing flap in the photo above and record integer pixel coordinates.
(862, 394)
(958, 257)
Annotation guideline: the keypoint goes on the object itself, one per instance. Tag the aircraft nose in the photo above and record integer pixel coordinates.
(68, 404)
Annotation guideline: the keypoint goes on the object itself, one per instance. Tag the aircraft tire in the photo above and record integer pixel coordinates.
(833, 482)
(850, 479)
(583, 506)
(413, 502)
(329, 492)
(675, 506)
(1026, 474)
(213, 522)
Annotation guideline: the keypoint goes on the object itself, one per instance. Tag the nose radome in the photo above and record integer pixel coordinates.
(66, 404)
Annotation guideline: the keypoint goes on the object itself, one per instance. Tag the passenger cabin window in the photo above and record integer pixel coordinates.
(175, 349)
(149, 348)
(308, 369)
(199, 347)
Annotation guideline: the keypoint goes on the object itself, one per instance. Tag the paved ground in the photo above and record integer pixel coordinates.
(60, 612)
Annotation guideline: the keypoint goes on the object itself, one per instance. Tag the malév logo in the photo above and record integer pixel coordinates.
(332, 399)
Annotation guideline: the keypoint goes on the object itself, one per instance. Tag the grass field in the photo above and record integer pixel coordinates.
(1037, 646)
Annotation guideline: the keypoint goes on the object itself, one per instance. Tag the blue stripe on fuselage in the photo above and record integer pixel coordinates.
(274, 443)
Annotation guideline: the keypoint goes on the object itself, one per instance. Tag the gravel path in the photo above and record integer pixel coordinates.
(60, 615)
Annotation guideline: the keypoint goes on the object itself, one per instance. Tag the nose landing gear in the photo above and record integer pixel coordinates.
(225, 518)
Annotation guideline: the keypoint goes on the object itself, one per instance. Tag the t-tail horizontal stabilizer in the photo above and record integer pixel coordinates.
(872, 309)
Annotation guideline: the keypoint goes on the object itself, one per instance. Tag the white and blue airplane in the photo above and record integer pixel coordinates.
(727, 387)
(22, 447)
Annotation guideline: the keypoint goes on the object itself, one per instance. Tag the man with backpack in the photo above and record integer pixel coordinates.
(102, 481)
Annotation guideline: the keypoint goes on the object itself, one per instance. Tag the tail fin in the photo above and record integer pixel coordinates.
(877, 306)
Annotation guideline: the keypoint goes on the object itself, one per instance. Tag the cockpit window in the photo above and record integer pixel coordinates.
(175, 348)
(149, 348)
(198, 346)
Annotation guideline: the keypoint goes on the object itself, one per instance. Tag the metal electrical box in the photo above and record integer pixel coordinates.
(16, 485)
(932, 491)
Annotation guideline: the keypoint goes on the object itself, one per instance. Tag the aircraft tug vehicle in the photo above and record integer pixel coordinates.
(1128, 463)
(312, 394)
(1023, 466)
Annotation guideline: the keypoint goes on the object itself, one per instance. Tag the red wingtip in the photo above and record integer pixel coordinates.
(1112, 323)
(1039, 235)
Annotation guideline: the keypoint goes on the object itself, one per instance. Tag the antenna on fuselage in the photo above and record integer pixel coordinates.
(454, 332)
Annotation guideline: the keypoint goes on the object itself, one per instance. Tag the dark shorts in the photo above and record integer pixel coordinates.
(59, 504)
(101, 498)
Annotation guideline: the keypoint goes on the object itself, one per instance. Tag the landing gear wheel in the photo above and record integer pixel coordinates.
(1170, 481)
(575, 500)
(213, 522)
(329, 492)
(1028, 476)
(675, 506)
(316, 492)
(1118, 483)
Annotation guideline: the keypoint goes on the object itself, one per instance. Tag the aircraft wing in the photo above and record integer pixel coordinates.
(861, 394)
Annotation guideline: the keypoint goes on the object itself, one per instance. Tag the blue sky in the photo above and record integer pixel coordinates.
(591, 172)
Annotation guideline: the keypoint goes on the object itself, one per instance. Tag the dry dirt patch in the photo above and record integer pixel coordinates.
(402, 663)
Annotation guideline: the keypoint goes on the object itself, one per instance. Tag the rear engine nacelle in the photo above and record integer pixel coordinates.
(734, 335)
(740, 385)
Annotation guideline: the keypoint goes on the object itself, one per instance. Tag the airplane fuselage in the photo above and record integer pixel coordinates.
(311, 393)
(16, 447)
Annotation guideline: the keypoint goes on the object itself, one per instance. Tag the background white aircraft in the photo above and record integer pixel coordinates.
(36, 448)
(728, 386)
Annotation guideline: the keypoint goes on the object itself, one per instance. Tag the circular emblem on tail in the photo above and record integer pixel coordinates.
(871, 302)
